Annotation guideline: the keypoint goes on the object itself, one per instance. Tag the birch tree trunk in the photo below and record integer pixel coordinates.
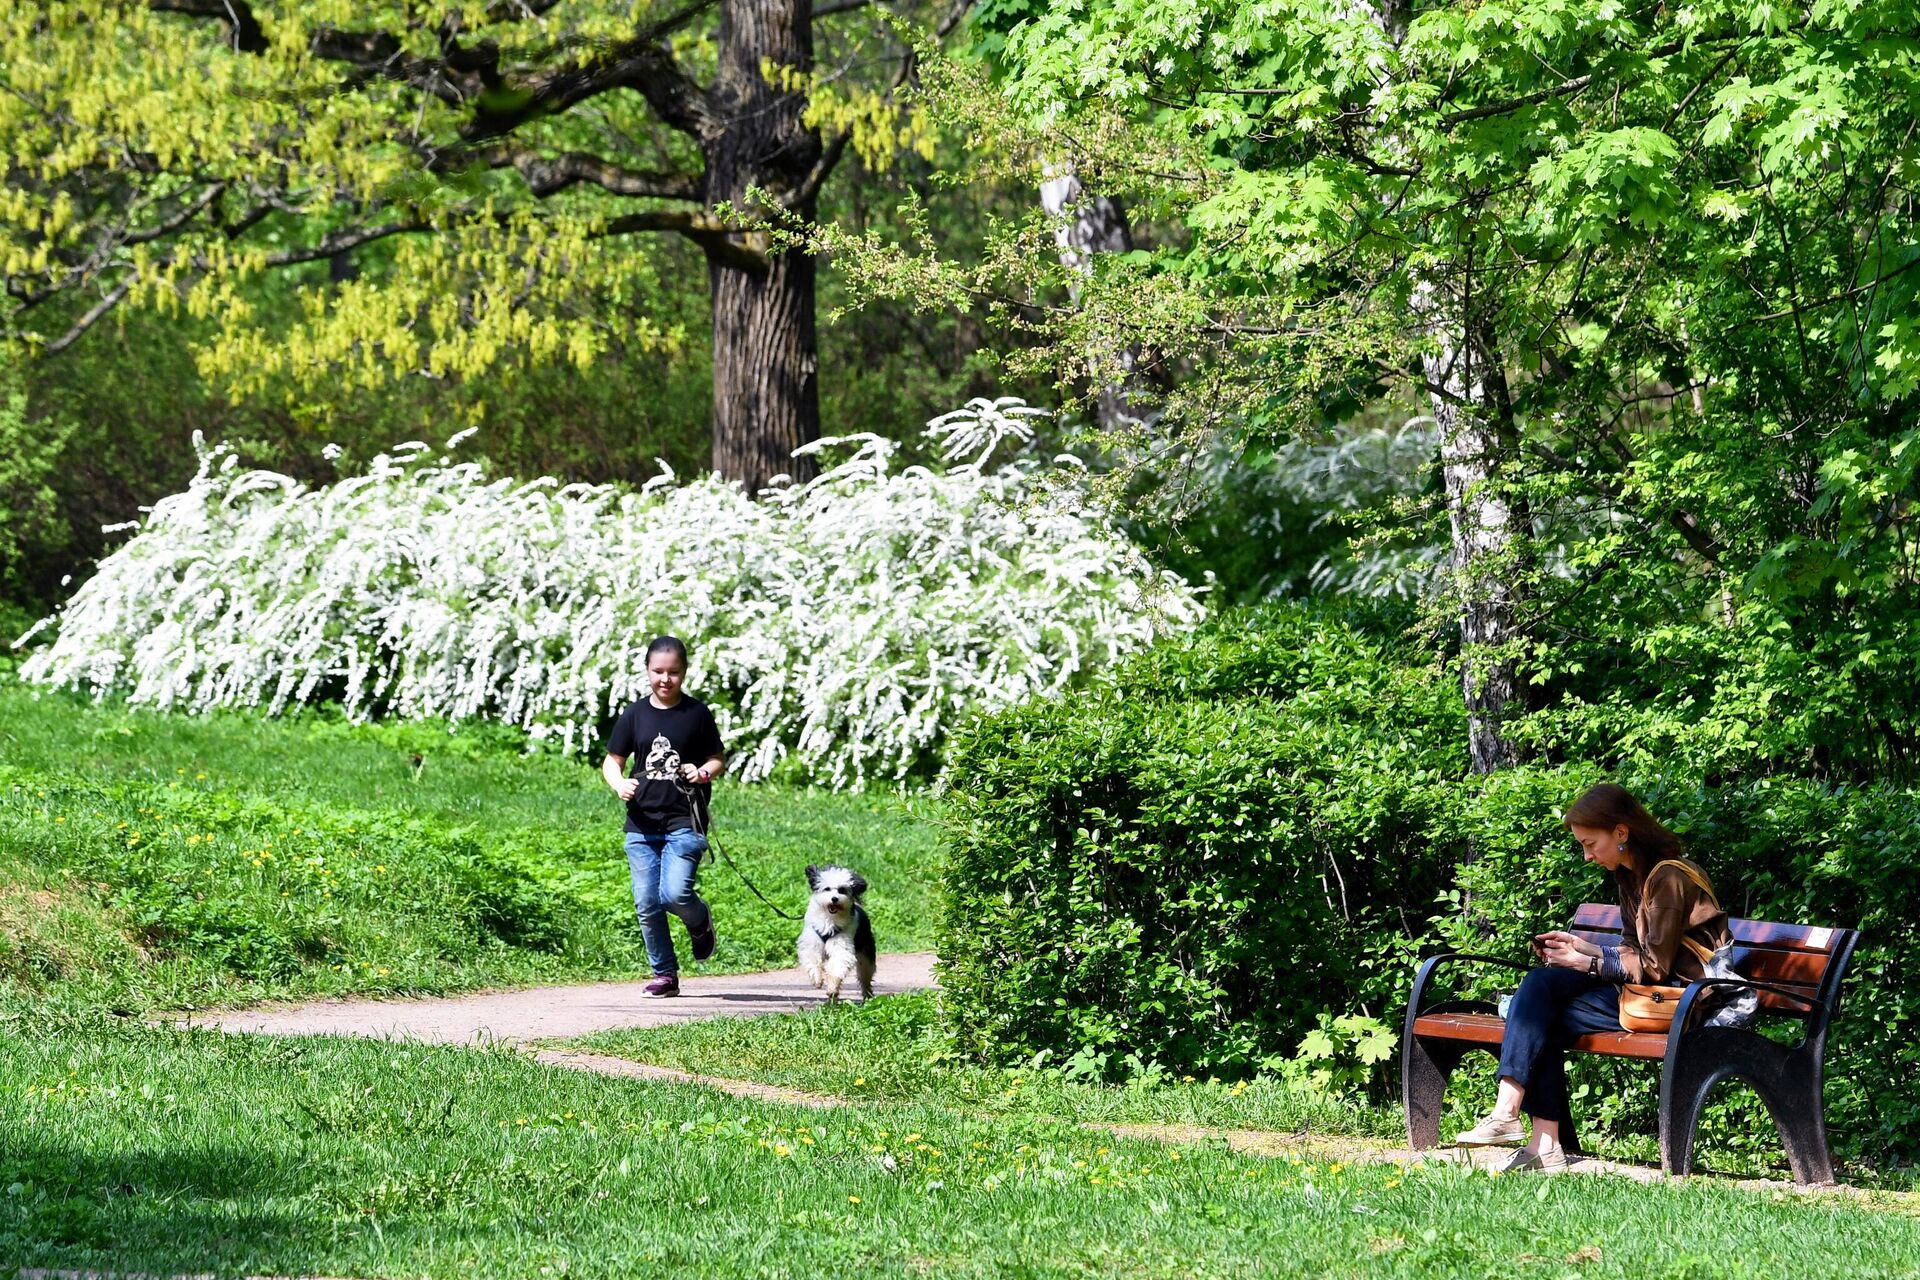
(1468, 389)
(1467, 386)
(1084, 225)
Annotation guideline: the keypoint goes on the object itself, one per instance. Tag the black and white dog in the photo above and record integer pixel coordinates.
(836, 938)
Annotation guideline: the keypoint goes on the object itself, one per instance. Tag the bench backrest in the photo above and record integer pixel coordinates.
(1805, 959)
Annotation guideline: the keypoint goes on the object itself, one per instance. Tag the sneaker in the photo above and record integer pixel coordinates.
(1493, 1132)
(666, 984)
(703, 943)
(1554, 1161)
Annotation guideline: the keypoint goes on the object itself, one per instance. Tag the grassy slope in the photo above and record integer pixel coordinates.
(479, 866)
(174, 1153)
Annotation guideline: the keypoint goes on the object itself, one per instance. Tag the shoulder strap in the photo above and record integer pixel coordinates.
(1693, 873)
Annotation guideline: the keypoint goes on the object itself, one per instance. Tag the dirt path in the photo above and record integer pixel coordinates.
(556, 1013)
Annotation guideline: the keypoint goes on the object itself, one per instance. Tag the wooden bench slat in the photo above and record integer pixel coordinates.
(1487, 1028)
(1600, 917)
(1782, 968)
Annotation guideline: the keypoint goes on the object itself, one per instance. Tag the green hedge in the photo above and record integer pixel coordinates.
(1262, 826)
(1191, 861)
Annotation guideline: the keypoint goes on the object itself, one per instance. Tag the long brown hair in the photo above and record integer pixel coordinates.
(1608, 805)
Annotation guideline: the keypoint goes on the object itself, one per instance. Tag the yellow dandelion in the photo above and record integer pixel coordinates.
(853, 1199)
(782, 1149)
(199, 777)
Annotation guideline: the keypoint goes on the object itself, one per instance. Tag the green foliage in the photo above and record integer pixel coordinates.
(1684, 239)
(1345, 1054)
(1115, 858)
(30, 457)
(1229, 860)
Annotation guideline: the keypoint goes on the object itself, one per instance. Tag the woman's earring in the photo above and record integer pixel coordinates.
(1622, 846)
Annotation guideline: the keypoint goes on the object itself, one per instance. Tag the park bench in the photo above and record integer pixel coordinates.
(1795, 968)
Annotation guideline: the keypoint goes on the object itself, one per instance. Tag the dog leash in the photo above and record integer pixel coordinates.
(693, 809)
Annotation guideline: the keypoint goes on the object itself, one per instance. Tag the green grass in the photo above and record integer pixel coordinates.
(150, 859)
(165, 1152)
(891, 1050)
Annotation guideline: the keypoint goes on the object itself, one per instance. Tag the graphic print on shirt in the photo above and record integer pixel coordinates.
(662, 760)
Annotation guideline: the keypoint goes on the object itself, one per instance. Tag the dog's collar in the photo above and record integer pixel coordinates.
(829, 935)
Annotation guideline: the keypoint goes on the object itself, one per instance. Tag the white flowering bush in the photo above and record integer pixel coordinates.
(848, 622)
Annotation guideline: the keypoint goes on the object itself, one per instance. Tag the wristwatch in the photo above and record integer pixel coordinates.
(1593, 966)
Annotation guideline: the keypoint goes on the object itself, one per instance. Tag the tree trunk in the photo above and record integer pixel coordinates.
(766, 395)
(1084, 225)
(1467, 385)
(1471, 406)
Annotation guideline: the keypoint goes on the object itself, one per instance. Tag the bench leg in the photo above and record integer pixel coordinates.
(1683, 1093)
(1425, 1066)
(1788, 1082)
(1800, 1113)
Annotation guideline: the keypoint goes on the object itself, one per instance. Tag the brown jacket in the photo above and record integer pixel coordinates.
(1652, 925)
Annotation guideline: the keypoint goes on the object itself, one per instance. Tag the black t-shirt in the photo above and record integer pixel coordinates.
(656, 743)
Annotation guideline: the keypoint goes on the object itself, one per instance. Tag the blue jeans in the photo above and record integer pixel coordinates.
(663, 864)
(1550, 1010)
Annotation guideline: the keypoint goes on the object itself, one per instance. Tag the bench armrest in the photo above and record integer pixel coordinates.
(1432, 963)
(1690, 1000)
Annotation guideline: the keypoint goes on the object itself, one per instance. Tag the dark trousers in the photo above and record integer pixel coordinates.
(1550, 1010)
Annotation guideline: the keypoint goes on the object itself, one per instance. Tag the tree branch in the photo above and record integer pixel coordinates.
(339, 242)
(1842, 296)
(712, 234)
(548, 174)
(87, 319)
(642, 63)
(1560, 90)
(187, 213)
(244, 28)
(830, 155)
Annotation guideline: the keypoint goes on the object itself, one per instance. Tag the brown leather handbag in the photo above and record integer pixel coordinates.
(1649, 1006)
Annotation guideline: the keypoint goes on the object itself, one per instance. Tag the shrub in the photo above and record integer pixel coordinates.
(1196, 858)
(1244, 836)
(847, 623)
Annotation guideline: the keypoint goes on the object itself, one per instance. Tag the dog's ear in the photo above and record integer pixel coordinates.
(857, 885)
(813, 877)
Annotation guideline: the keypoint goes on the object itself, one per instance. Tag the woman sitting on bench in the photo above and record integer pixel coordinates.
(1577, 991)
